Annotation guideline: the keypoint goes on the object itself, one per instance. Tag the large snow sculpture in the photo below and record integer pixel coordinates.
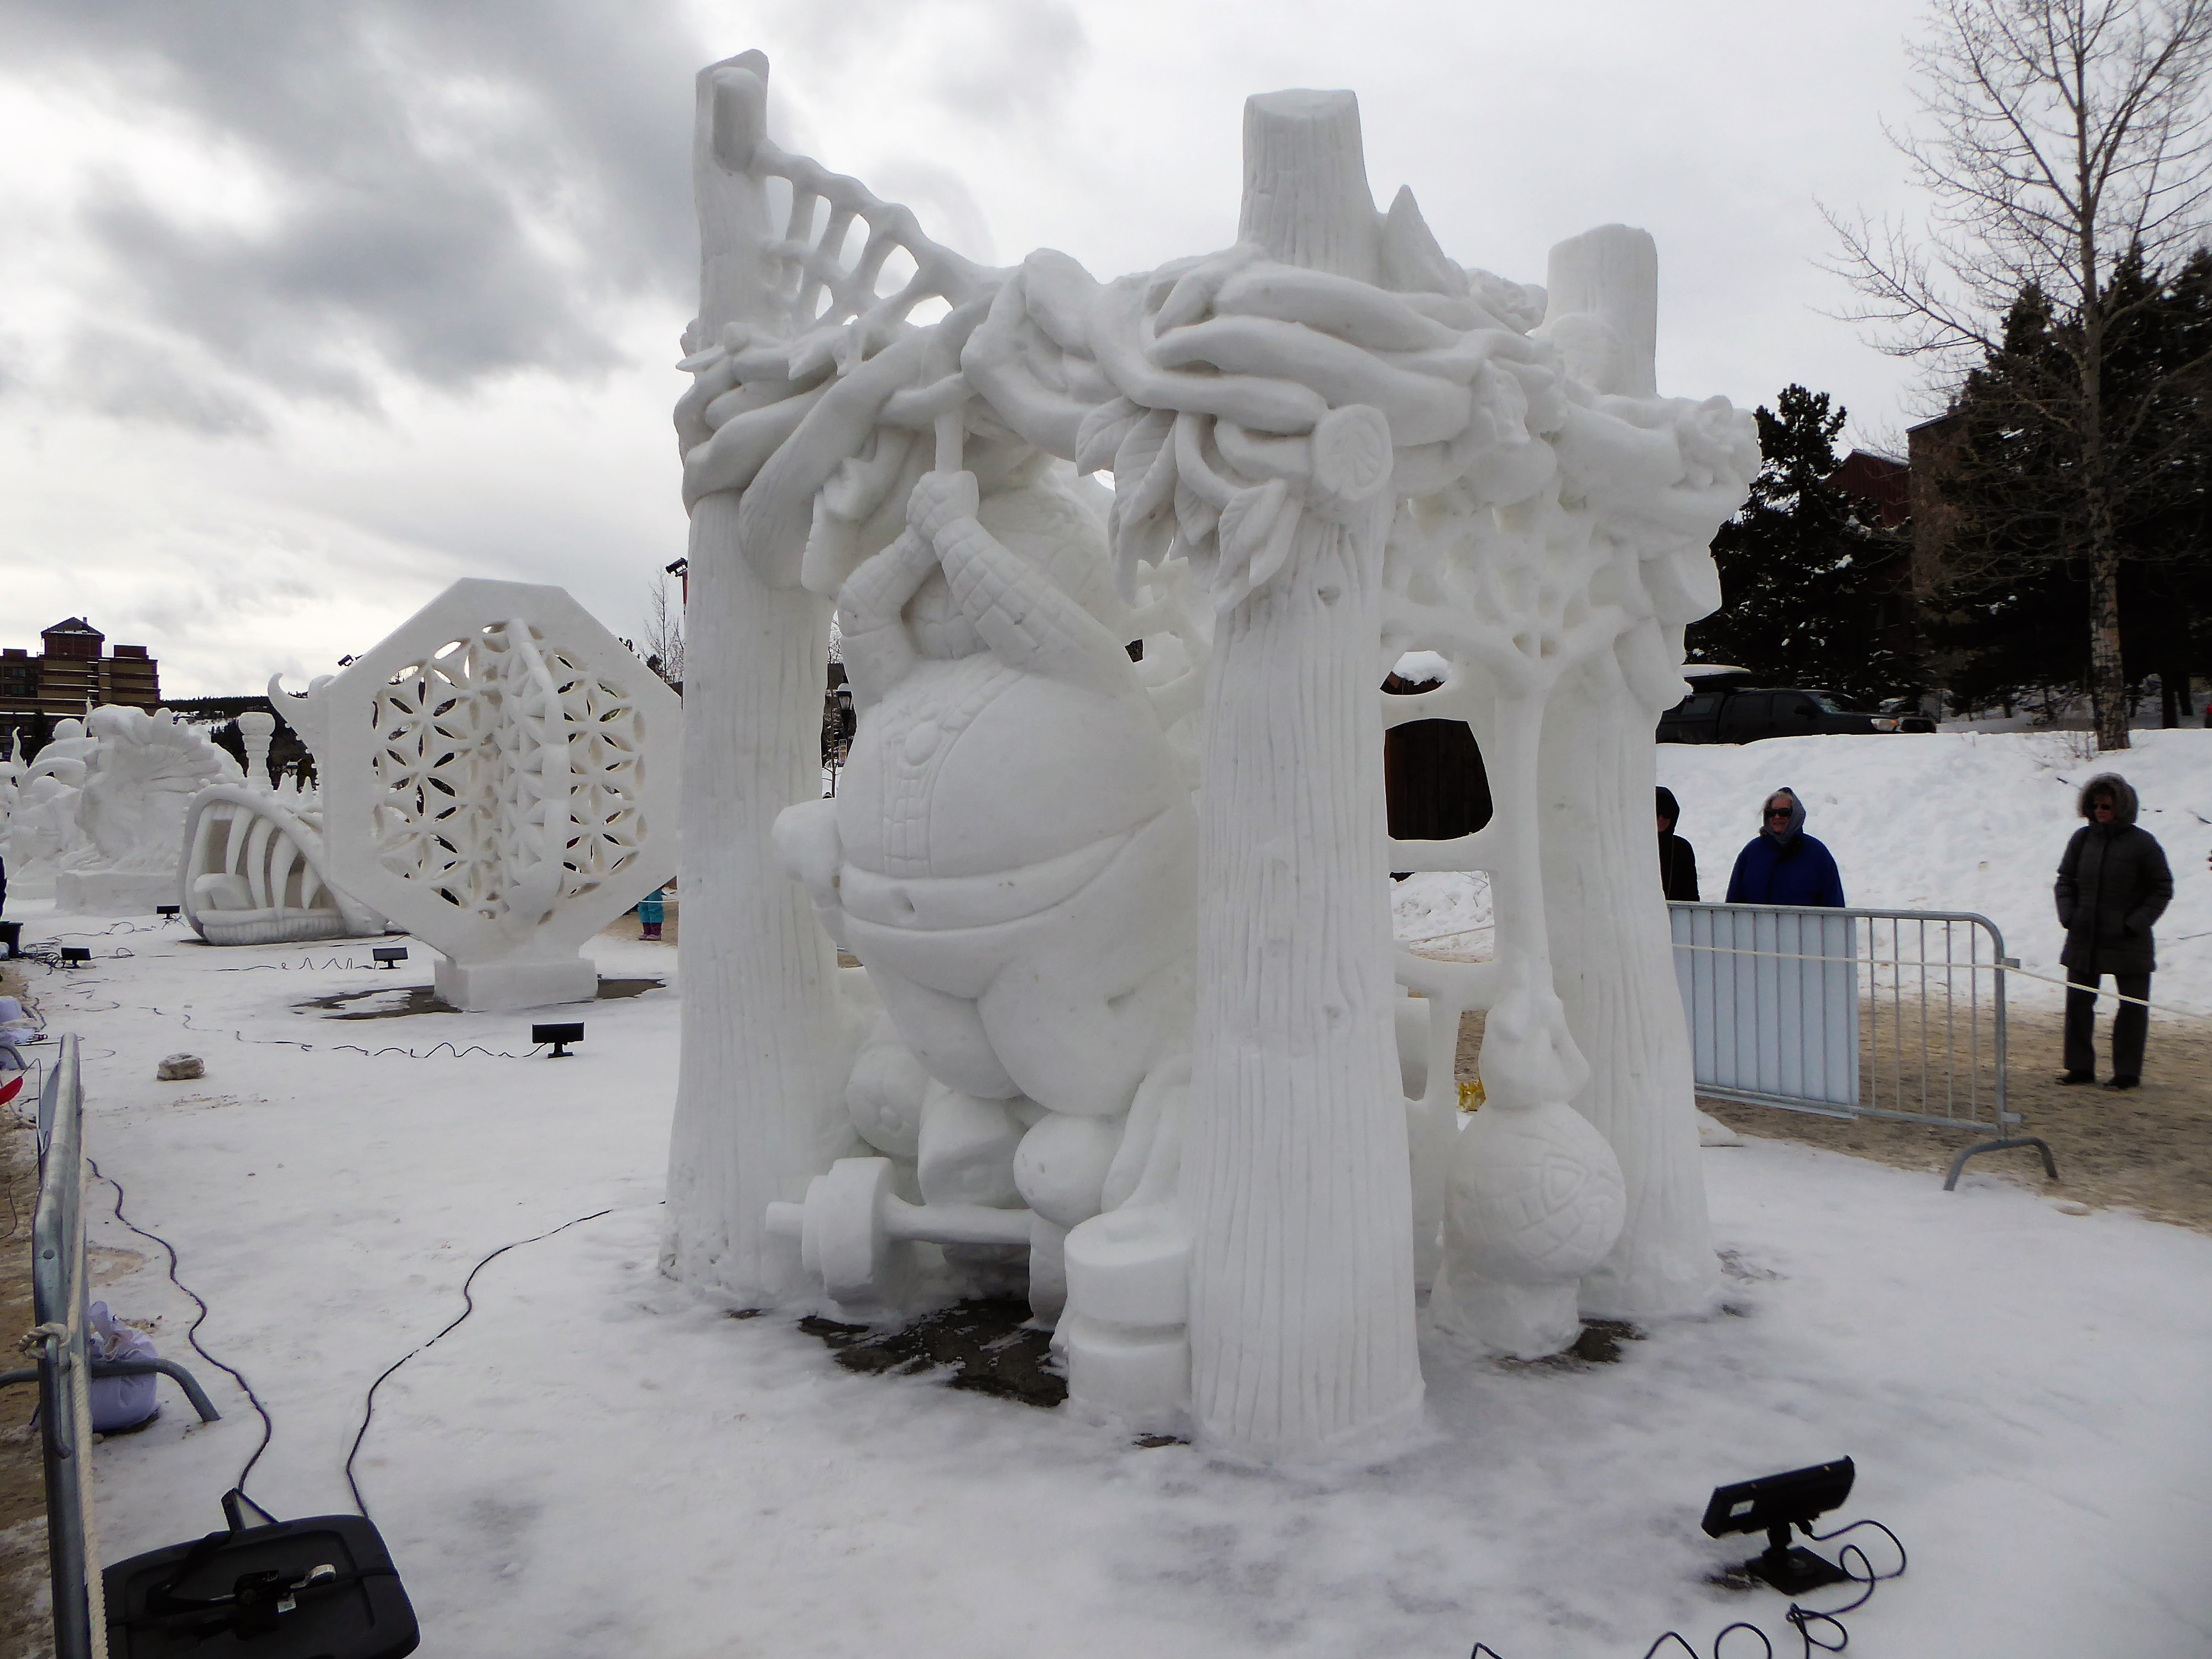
(1355, 446)
(254, 871)
(499, 777)
(139, 778)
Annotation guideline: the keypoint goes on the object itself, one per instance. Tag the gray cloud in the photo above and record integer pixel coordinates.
(135, 380)
(461, 189)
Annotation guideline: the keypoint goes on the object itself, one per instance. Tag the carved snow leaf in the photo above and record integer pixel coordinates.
(1144, 490)
(1098, 439)
(1253, 518)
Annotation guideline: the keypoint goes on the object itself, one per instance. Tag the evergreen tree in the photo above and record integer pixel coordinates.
(1798, 606)
(2015, 577)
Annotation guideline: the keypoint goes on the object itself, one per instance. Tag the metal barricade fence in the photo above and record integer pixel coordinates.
(1897, 1014)
(66, 1369)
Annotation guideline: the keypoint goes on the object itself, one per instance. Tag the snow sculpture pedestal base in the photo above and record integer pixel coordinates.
(1128, 1349)
(115, 892)
(498, 987)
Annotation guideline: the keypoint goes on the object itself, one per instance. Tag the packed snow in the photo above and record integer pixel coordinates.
(597, 1461)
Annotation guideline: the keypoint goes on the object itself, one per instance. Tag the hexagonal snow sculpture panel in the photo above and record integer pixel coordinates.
(499, 777)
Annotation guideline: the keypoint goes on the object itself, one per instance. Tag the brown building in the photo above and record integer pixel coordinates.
(68, 678)
(1885, 487)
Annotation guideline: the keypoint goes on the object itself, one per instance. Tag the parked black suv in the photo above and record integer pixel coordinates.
(1724, 706)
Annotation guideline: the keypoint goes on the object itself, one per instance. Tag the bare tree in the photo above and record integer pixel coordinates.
(664, 634)
(2061, 135)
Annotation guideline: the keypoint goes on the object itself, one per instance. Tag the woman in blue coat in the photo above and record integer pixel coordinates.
(1784, 865)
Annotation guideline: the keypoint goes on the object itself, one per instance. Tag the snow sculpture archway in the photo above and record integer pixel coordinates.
(1352, 446)
(254, 871)
(498, 777)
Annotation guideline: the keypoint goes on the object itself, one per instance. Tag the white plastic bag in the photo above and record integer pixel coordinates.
(118, 1402)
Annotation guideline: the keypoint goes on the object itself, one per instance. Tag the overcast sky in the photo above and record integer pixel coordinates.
(307, 310)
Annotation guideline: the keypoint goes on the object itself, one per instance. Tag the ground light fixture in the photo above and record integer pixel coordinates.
(167, 910)
(559, 1036)
(74, 954)
(1774, 1505)
(389, 956)
(11, 936)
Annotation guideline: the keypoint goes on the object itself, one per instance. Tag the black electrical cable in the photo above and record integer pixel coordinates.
(1799, 1619)
(468, 1307)
(192, 1335)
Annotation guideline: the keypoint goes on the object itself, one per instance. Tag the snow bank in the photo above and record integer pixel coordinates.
(1964, 821)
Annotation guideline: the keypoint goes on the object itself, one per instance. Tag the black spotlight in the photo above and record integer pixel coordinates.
(167, 909)
(11, 935)
(390, 955)
(74, 954)
(1774, 1504)
(559, 1036)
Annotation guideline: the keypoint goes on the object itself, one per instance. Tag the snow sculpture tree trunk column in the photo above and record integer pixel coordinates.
(1302, 1318)
(757, 1112)
(1609, 933)
(1614, 956)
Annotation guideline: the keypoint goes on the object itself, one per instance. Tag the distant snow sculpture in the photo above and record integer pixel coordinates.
(254, 871)
(1152, 1037)
(499, 777)
(40, 825)
(139, 778)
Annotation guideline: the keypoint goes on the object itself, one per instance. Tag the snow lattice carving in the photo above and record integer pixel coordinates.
(500, 777)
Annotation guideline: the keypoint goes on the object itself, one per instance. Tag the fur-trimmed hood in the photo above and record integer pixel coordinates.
(2123, 799)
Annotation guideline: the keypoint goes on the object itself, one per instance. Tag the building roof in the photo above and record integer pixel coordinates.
(72, 625)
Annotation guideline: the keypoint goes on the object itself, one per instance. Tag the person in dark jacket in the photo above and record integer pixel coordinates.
(1678, 859)
(1782, 864)
(2112, 885)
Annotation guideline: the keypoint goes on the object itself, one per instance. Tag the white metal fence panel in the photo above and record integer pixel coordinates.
(1772, 1000)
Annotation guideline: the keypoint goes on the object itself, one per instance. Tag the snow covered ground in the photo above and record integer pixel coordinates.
(598, 1463)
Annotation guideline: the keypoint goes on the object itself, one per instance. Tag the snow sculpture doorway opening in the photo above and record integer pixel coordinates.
(500, 778)
(1128, 1005)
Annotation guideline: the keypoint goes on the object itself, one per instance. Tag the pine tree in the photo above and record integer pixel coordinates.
(2015, 577)
(1798, 605)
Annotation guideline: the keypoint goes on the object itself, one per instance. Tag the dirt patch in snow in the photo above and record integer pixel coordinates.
(25, 1632)
(989, 1346)
(2148, 1149)
(404, 1001)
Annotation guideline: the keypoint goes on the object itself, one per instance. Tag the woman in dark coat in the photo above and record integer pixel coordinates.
(1678, 859)
(1782, 864)
(2112, 885)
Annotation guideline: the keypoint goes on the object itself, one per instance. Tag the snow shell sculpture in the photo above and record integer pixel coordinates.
(139, 778)
(499, 778)
(254, 871)
(1129, 1004)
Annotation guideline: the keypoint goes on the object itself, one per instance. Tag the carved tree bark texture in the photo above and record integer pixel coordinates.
(1302, 1304)
(1302, 1312)
(757, 1111)
(1598, 775)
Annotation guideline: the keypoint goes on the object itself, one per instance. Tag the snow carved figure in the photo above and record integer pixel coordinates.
(1011, 850)
(1352, 446)
(41, 822)
(498, 777)
(139, 780)
(255, 872)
